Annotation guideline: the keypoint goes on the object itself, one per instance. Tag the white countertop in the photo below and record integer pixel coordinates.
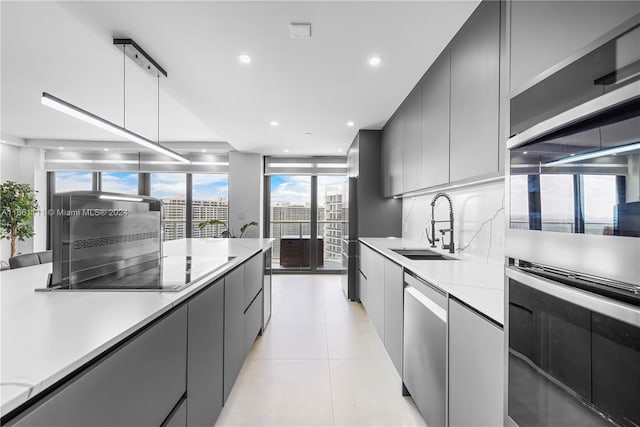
(47, 335)
(474, 281)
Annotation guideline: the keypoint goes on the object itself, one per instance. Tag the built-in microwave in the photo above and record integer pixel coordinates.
(574, 177)
(573, 240)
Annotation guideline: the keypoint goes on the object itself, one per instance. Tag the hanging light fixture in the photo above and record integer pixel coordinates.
(140, 57)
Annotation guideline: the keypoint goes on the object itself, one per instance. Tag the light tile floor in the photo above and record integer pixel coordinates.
(320, 363)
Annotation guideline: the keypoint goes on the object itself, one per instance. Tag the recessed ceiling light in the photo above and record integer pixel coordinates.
(350, 123)
(375, 61)
(340, 150)
(105, 149)
(274, 123)
(60, 148)
(4, 142)
(243, 58)
(525, 152)
(203, 151)
(286, 150)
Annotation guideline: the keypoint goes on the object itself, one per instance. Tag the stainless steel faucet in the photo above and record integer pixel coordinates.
(443, 231)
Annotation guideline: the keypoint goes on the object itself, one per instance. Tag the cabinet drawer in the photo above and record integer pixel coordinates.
(139, 384)
(252, 322)
(252, 279)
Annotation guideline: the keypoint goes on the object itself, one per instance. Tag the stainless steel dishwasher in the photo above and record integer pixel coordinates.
(424, 374)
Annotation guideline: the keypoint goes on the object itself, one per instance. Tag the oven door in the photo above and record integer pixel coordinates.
(573, 356)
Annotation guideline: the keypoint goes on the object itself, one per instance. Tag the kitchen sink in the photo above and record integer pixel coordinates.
(422, 255)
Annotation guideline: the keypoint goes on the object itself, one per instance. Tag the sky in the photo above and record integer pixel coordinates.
(163, 185)
(297, 189)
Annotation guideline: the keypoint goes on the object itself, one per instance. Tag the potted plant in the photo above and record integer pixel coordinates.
(228, 232)
(18, 204)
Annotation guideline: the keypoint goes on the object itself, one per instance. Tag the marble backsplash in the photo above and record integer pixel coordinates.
(479, 219)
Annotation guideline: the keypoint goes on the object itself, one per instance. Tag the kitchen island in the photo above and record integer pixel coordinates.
(51, 340)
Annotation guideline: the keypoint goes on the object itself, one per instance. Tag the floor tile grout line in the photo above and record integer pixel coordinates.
(326, 338)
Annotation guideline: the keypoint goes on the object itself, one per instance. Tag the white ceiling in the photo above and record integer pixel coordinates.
(308, 85)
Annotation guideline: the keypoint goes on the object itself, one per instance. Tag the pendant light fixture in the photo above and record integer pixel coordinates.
(140, 57)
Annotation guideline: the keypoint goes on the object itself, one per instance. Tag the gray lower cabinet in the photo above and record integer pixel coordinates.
(234, 341)
(138, 384)
(179, 416)
(412, 140)
(205, 356)
(252, 322)
(375, 292)
(475, 78)
(475, 369)
(253, 278)
(393, 309)
(435, 123)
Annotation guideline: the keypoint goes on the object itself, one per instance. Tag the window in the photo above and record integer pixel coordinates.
(171, 188)
(210, 193)
(73, 181)
(332, 217)
(120, 182)
(519, 202)
(599, 203)
(557, 202)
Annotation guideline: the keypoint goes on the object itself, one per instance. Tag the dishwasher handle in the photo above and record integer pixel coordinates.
(432, 306)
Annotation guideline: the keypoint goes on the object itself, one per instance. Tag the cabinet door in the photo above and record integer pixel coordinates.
(179, 417)
(205, 356)
(543, 33)
(233, 327)
(375, 293)
(393, 306)
(139, 384)
(252, 323)
(475, 60)
(266, 290)
(475, 369)
(435, 123)
(363, 288)
(385, 160)
(363, 258)
(411, 140)
(392, 154)
(252, 278)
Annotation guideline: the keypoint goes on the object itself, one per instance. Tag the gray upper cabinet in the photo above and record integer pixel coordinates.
(435, 123)
(205, 356)
(392, 159)
(411, 140)
(544, 33)
(475, 60)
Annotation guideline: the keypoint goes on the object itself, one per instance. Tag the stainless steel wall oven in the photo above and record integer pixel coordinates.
(573, 241)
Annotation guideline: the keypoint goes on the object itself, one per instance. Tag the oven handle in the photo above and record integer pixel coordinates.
(623, 312)
(582, 111)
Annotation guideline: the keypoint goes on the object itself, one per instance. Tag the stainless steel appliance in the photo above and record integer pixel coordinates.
(369, 213)
(573, 355)
(425, 349)
(572, 246)
(109, 241)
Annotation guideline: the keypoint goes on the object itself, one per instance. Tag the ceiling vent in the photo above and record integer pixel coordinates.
(300, 30)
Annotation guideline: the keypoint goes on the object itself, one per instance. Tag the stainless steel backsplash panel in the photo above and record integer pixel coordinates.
(97, 239)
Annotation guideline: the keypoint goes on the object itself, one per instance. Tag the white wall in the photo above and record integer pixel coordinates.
(246, 182)
(26, 165)
(479, 219)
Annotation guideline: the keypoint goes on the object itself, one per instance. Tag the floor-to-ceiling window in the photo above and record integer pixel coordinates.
(290, 214)
(210, 201)
(332, 218)
(307, 211)
(171, 189)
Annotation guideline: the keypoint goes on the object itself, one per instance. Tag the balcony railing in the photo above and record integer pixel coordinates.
(331, 231)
